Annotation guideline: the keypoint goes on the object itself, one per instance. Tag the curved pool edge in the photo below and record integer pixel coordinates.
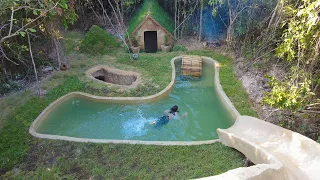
(224, 99)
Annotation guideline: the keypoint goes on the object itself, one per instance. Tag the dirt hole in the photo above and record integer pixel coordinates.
(114, 78)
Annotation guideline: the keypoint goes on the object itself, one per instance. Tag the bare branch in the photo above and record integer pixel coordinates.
(34, 66)
(3, 26)
(5, 56)
(11, 22)
(314, 104)
(26, 25)
(94, 12)
(236, 16)
(309, 111)
(187, 16)
(257, 59)
(106, 15)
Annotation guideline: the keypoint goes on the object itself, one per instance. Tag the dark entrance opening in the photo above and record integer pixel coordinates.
(101, 78)
(114, 78)
(150, 41)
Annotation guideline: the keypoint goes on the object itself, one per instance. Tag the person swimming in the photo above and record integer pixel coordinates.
(168, 115)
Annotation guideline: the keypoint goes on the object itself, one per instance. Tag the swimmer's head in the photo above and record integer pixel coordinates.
(174, 109)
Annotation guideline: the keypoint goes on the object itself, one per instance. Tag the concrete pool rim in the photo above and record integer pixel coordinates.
(224, 99)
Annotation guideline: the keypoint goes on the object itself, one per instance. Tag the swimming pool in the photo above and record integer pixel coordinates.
(79, 117)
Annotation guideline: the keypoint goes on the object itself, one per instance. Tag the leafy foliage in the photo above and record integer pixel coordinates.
(287, 94)
(98, 42)
(245, 18)
(17, 18)
(185, 14)
(166, 40)
(300, 46)
(301, 34)
(7, 86)
(129, 6)
(134, 41)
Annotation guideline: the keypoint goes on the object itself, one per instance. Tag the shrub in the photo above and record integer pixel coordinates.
(166, 40)
(134, 41)
(7, 86)
(179, 48)
(98, 42)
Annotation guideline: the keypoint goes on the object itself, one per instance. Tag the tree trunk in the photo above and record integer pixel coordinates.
(316, 88)
(315, 57)
(230, 28)
(56, 44)
(200, 29)
(54, 36)
(230, 35)
(178, 20)
(183, 26)
(34, 66)
(273, 16)
(4, 69)
(175, 18)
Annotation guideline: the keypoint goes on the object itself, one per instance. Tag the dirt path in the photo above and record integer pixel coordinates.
(256, 85)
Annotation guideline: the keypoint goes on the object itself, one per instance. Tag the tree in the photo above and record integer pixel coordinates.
(34, 66)
(300, 47)
(116, 6)
(235, 8)
(21, 18)
(182, 11)
(200, 27)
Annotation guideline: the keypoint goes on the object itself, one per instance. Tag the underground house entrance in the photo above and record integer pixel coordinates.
(150, 41)
(114, 76)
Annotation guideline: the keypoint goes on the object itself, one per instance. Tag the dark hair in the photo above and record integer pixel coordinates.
(174, 109)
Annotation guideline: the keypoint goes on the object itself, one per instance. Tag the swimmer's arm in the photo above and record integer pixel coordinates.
(184, 115)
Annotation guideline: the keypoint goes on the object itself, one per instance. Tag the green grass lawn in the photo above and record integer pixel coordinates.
(25, 157)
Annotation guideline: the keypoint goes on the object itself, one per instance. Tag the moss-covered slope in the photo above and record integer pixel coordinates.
(98, 42)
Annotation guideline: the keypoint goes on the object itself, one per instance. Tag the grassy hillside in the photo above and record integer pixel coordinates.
(98, 42)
